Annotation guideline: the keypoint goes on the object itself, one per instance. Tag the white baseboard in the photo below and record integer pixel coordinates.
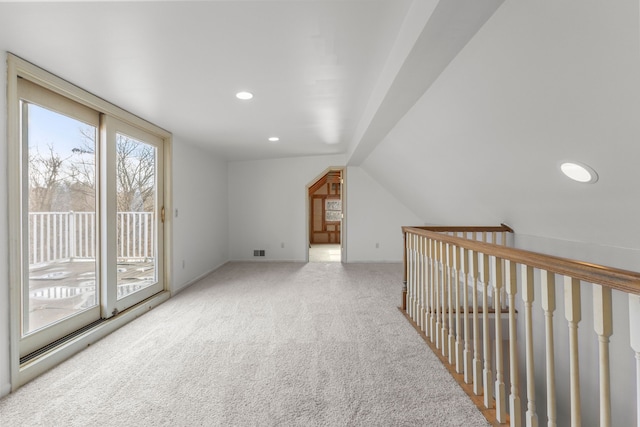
(196, 279)
(5, 389)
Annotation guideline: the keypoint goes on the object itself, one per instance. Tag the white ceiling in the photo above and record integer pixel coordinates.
(311, 64)
(329, 76)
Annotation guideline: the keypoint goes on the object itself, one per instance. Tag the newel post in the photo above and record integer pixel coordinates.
(404, 271)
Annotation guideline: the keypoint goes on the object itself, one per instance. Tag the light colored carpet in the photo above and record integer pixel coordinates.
(257, 344)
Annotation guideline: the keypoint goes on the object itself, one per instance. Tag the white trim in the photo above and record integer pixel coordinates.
(193, 281)
(54, 83)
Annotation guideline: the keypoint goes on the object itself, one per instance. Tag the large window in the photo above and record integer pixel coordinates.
(87, 209)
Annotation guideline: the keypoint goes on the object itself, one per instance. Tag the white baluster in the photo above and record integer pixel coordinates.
(418, 280)
(450, 285)
(407, 267)
(423, 282)
(414, 277)
(573, 314)
(456, 279)
(515, 408)
(429, 282)
(444, 269)
(466, 357)
(414, 295)
(603, 325)
(486, 339)
(501, 410)
(432, 294)
(410, 275)
(549, 306)
(527, 298)
(477, 365)
(438, 285)
(634, 332)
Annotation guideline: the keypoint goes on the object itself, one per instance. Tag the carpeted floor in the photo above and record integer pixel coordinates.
(257, 344)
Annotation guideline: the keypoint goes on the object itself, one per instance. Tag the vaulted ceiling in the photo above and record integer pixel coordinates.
(325, 74)
(462, 109)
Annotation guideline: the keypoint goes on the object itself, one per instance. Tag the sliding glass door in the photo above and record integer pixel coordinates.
(91, 215)
(134, 175)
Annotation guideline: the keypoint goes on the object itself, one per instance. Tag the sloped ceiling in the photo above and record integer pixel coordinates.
(462, 109)
(540, 83)
(329, 76)
(311, 64)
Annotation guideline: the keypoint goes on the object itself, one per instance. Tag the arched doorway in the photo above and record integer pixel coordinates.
(325, 215)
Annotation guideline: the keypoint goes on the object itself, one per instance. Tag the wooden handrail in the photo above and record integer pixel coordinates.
(622, 280)
(463, 229)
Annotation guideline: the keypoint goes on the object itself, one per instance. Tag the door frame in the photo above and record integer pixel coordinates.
(22, 373)
(343, 225)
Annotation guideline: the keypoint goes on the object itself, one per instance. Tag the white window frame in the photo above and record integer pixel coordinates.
(19, 68)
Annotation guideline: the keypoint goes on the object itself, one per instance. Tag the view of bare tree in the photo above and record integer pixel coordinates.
(135, 175)
(47, 178)
(57, 182)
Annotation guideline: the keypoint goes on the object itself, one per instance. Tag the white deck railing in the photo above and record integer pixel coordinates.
(463, 295)
(55, 236)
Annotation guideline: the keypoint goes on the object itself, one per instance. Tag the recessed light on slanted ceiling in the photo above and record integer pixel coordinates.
(274, 139)
(245, 96)
(579, 172)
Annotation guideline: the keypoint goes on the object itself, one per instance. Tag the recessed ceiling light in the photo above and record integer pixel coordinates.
(274, 139)
(579, 172)
(244, 95)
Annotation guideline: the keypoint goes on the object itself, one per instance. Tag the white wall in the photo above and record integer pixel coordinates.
(200, 231)
(374, 220)
(200, 197)
(540, 83)
(5, 365)
(267, 206)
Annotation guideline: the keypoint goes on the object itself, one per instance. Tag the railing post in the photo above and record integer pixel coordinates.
(603, 325)
(573, 314)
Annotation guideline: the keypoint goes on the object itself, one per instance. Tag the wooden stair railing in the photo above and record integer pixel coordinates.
(447, 268)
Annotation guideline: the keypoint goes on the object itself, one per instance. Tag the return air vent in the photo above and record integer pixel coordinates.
(258, 252)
